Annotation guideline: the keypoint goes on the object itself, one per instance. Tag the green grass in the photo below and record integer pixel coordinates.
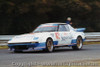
(3, 47)
(89, 43)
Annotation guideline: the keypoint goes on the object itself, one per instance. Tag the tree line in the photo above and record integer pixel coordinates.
(23, 16)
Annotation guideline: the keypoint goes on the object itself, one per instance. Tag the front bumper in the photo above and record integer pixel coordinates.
(26, 46)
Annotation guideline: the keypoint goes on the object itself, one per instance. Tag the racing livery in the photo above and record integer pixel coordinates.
(47, 37)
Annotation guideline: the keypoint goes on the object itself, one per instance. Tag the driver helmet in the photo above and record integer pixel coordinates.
(69, 18)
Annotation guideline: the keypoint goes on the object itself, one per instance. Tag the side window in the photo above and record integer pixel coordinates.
(67, 27)
(62, 28)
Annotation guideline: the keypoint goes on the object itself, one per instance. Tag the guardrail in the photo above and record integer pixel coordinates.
(91, 36)
(5, 38)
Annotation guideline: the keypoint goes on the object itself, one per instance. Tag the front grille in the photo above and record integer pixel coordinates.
(23, 47)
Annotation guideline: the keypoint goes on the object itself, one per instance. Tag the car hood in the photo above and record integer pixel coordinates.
(31, 37)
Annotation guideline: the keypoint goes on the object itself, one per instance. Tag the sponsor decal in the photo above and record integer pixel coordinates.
(57, 35)
(65, 33)
(65, 38)
(48, 25)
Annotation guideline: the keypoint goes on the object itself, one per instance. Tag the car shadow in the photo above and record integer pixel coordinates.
(57, 50)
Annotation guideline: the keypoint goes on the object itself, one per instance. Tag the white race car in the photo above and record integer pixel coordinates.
(48, 36)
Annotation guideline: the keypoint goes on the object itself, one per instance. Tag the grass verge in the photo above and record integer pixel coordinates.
(4, 47)
(89, 43)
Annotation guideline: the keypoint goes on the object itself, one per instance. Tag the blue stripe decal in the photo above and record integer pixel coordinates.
(71, 45)
(55, 24)
(74, 41)
(55, 42)
(84, 39)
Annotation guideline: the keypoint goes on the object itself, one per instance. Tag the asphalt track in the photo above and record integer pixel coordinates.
(60, 55)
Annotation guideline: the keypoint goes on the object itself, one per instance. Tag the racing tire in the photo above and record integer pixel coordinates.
(49, 45)
(79, 44)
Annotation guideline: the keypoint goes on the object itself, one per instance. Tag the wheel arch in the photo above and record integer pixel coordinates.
(79, 36)
(49, 38)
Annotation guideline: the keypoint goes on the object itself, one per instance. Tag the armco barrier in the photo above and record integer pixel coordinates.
(92, 36)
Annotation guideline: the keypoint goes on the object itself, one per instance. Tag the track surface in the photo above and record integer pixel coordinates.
(60, 55)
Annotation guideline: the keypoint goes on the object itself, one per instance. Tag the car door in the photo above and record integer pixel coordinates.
(64, 33)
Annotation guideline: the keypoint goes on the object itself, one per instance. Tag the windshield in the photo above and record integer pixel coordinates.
(46, 29)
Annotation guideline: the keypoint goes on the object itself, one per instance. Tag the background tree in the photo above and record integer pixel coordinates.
(22, 16)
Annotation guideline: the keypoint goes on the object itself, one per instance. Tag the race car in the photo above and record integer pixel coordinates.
(47, 37)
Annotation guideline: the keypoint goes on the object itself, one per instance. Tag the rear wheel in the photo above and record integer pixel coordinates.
(79, 44)
(49, 45)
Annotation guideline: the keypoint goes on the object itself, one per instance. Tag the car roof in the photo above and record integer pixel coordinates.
(55, 23)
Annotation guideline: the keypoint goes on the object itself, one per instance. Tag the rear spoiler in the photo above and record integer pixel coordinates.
(80, 29)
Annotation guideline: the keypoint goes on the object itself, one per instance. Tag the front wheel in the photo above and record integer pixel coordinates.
(79, 44)
(49, 45)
